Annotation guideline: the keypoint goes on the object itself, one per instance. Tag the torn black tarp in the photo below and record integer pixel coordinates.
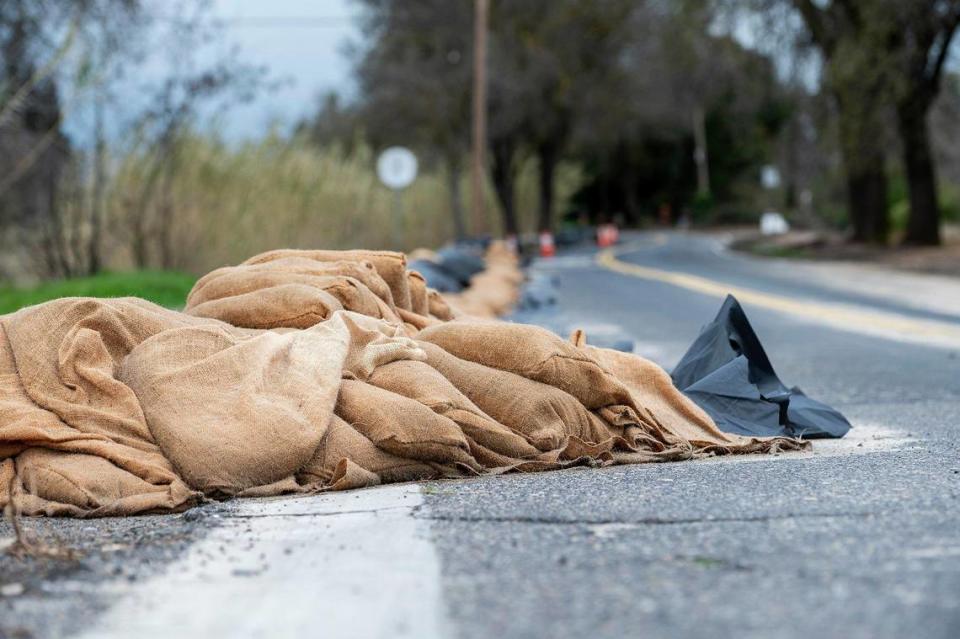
(728, 374)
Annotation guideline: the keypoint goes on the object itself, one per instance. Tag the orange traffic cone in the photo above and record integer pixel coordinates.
(547, 247)
(605, 235)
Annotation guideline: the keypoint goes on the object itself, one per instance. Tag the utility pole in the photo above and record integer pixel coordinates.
(477, 212)
(700, 155)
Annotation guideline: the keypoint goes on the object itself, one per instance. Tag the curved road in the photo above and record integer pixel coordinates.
(860, 538)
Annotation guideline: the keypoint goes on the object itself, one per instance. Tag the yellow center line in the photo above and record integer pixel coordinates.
(846, 317)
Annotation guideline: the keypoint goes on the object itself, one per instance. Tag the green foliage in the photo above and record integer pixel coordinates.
(949, 201)
(898, 198)
(167, 288)
(702, 207)
(898, 202)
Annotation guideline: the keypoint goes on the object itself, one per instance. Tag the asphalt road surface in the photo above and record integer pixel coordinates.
(860, 538)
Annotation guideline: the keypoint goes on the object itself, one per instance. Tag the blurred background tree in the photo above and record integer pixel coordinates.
(637, 111)
(881, 54)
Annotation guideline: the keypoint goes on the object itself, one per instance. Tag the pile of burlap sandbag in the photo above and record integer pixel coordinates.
(301, 371)
(493, 291)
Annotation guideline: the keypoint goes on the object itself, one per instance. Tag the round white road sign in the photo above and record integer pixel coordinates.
(397, 167)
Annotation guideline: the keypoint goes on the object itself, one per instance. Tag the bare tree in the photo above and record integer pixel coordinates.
(35, 151)
(47, 164)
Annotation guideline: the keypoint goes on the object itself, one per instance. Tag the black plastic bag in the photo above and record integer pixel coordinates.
(728, 374)
(435, 276)
(460, 262)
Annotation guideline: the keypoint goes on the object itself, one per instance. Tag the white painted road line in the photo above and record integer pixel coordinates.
(354, 564)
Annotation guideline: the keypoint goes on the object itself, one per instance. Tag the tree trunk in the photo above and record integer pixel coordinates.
(867, 201)
(166, 208)
(99, 178)
(503, 183)
(862, 145)
(57, 235)
(138, 244)
(165, 232)
(923, 224)
(456, 200)
(700, 155)
(139, 212)
(548, 166)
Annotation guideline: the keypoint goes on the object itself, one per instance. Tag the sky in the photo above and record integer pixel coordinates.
(302, 42)
(303, 45)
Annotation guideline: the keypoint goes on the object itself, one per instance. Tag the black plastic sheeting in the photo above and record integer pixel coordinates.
(435, 276)
(460, 262)
(728, 374)
(453, 267)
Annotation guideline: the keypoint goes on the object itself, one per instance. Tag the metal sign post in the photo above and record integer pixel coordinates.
(397, 169)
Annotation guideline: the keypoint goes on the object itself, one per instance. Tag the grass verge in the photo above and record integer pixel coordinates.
(166, 288)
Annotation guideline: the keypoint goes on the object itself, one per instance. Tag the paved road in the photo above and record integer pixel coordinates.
(851, 545)
(859, 539)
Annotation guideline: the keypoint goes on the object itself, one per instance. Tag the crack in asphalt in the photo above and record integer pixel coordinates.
(645, 521)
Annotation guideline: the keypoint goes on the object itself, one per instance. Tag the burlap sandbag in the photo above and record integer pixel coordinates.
(216, 291)
(419, 381)
(66, 352)
(343, 443)
(418, 293)
(58, 393)
(284, 306)
(416, 322)
(373, 343)
(57, 483)
(122, 407)
(391, 266)
(351, 293)
(403, 426)
(493, 291)
(232, 413)
(60, 470)
(497, 288)
(209, 287)
(531, 352)
(545, 416)
(438, 306)
(22, 423)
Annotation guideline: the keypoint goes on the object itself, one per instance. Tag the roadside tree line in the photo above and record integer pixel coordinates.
(662, 107)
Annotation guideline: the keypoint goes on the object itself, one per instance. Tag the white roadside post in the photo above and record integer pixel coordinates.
(772, 222)
(397, 169)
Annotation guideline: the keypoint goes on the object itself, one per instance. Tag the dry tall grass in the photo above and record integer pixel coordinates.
(225, 203)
